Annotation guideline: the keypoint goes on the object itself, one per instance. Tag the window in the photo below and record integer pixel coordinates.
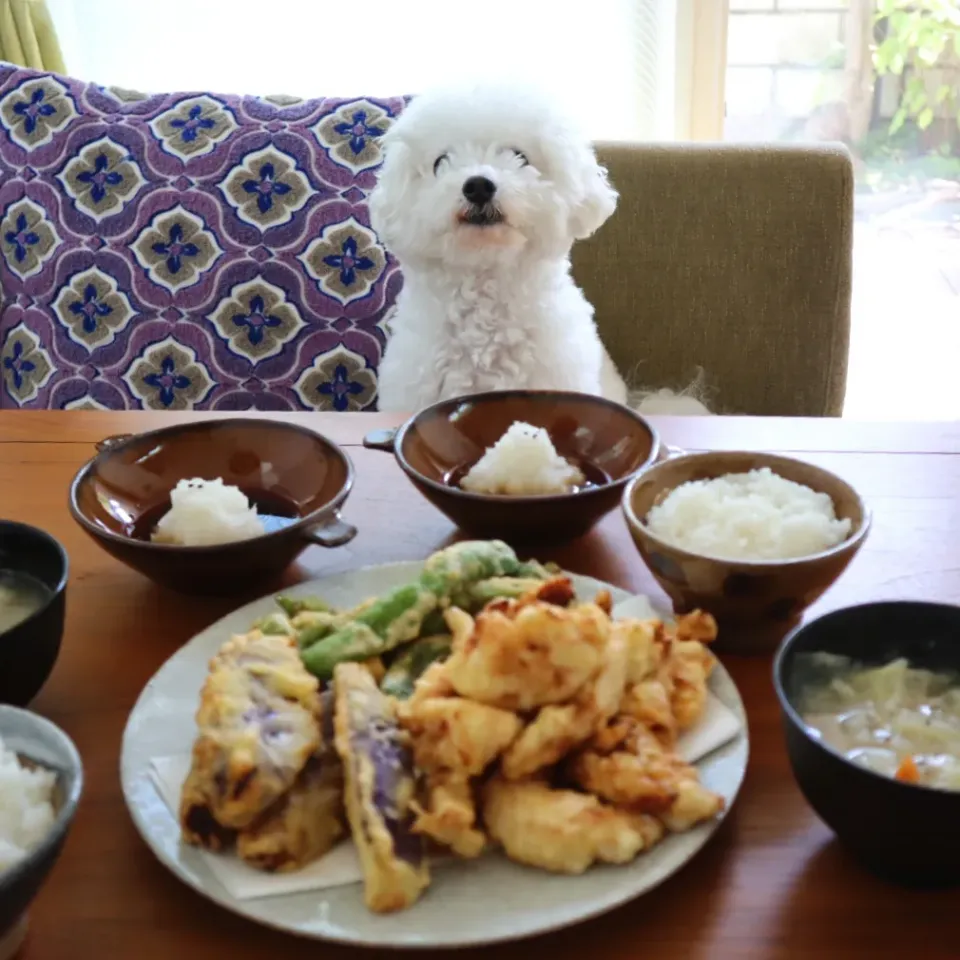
(613, 61)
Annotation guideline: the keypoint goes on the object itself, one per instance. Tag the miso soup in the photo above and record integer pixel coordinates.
(21, 596)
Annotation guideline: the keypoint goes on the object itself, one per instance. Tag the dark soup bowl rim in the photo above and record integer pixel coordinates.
(303, 523)
(793, 714)
(56, 591)
(851, 542)
(586, 493)
(69, 801)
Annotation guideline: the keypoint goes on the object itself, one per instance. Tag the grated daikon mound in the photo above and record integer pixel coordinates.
(523, 462)
(207, 512)
(748, 516)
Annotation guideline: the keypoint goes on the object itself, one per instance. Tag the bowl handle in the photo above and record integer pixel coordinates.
(381, 439)
(108, 443)
(669, 452)
(332, 532)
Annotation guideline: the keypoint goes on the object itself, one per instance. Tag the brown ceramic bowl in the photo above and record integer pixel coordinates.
(446, 439)
(297, 478)
(755, 603)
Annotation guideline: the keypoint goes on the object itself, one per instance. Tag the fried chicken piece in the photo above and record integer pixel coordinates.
(433, 682)
(697, 625)
(457, 735)
(604, 600)
(257, 727)
(649, 703)
(558, 729)
(561, 830)
(520, 656)
(690, 665)
(647, 645)
(449, 815)
(694, 804)
(644, 776)
(557, 591)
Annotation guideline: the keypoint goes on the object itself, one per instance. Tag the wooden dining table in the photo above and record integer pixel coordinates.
(772, 883)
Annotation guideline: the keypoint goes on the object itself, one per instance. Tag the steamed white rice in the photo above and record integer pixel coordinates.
(523, 462)
(207, 512)
(748, 516)
(26, 807)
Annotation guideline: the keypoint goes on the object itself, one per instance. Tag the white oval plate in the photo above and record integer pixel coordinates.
(469, 903)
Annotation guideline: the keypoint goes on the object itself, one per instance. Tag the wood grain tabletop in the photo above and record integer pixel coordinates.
(771, 884)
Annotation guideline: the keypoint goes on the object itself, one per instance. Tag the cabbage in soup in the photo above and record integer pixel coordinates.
(896, 720)
(21, 596)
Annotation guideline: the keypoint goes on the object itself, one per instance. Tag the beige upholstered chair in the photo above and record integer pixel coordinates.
(735, 259)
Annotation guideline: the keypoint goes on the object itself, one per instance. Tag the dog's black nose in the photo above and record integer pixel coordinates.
(479, 190)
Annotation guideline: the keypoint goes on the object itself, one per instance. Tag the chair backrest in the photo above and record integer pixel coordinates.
(214, 252)
(734, 259)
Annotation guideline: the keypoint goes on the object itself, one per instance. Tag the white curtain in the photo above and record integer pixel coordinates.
(612, 61)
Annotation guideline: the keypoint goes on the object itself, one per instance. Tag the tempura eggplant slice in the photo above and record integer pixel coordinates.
(307, 822)
(257, 727)
(379, 779)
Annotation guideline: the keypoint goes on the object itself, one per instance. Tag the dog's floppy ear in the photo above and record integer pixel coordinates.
(597, 202)
(393, 180)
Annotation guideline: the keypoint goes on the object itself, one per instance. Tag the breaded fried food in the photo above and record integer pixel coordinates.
(647, 645)
(307, 821)
(520, 655)
(433, 682)
(642, 775)
(561, 830)
(448, 815)
(668, 669)
(690, 665)
(649, 702)
(257, 727)
(696, 625)
(455, 735)
(379, 790)
(302, 826)
(558, 729)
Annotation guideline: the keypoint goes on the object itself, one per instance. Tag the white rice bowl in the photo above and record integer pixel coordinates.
(207, 512)
(752, 516)
(522, 463)
(26, 807)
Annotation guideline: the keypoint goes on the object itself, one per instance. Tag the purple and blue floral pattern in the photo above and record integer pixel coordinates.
(340, 380)
(29, 240)
(194, 126)
(256, 321)
(36, 109)
(346, 261)
(101, 179)
(25, 365)
(266, 188)
(92, 309)
(351, 134)
(168, 376)
(189, 251)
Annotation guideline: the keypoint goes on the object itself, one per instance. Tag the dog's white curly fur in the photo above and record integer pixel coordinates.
(491, 305)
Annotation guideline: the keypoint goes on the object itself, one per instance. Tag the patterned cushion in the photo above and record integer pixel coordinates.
(188, 250)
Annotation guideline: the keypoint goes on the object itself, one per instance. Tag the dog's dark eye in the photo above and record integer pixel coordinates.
(521, 156)
(438, 161)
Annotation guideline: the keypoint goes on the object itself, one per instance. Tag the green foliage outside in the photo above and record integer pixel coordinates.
(918, 36)
(921, 36)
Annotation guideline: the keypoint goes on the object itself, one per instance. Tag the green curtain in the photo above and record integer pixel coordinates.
(28, 37)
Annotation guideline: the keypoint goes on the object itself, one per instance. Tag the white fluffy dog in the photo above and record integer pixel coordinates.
(481, 196)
